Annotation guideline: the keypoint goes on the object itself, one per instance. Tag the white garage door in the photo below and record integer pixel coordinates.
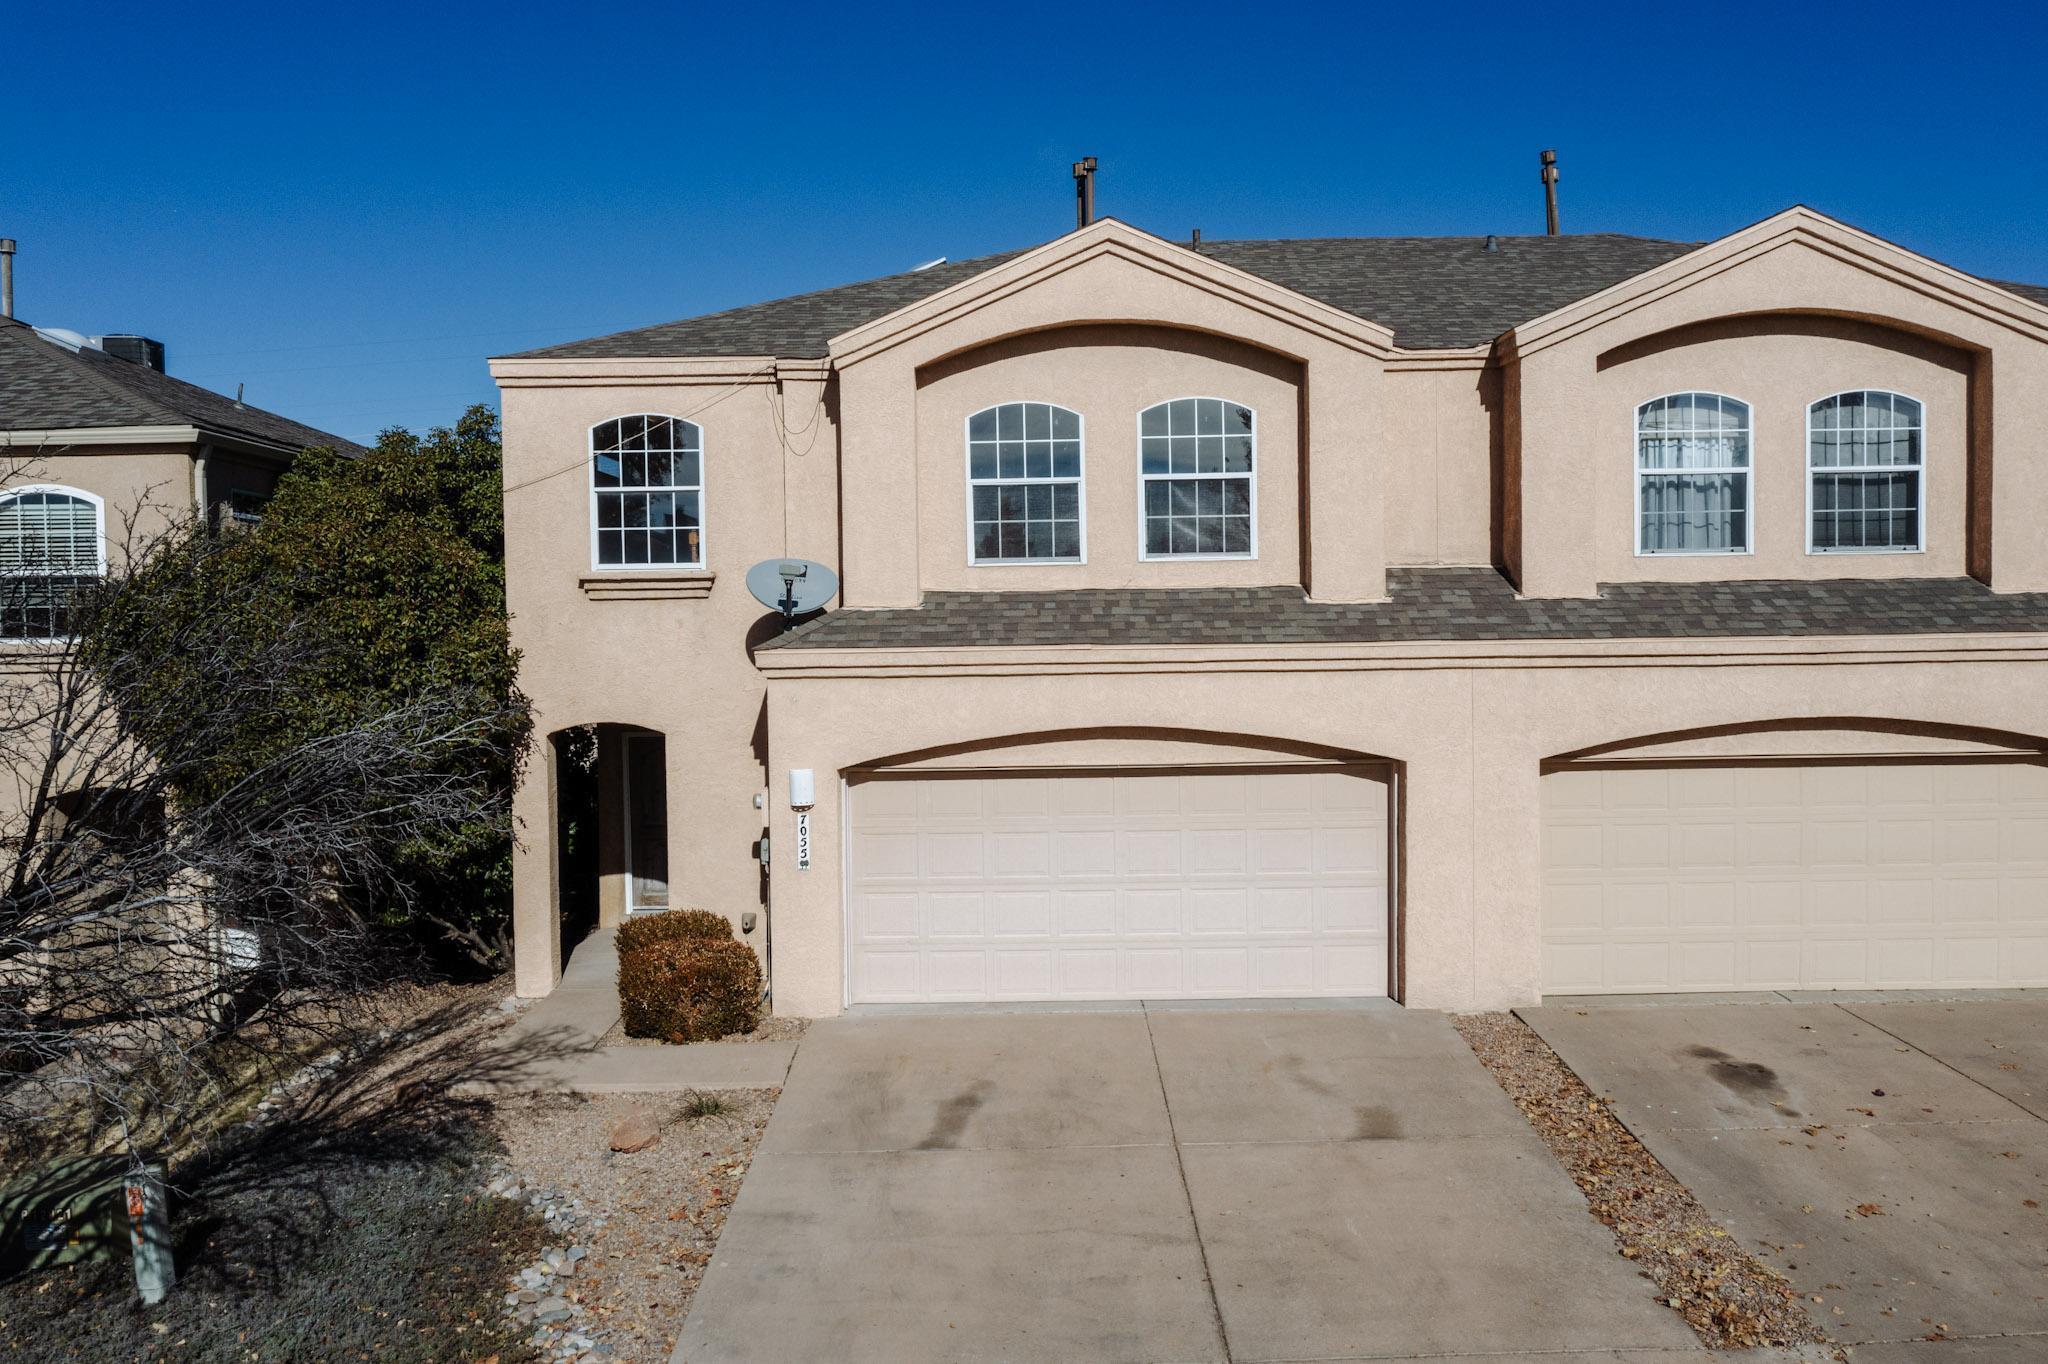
(1119, 886)
(1795, 877)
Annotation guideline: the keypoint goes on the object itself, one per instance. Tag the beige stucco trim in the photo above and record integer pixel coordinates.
(1472, 358)
(1347, 657)
(101, 435)
(653, 585)
(569, 371)
(1826, 235)
(1108, 237)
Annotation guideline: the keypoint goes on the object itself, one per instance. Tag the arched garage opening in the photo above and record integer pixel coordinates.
(1820, 854)
(1110, 864)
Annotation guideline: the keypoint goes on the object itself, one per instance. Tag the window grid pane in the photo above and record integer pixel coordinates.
(1195, 456)
(1024, 477)
(1692, 481)
(649, 500)
(1864, 451)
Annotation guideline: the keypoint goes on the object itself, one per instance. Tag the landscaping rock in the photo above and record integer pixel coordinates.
(634, 1131)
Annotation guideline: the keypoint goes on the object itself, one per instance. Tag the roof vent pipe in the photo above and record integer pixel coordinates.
(1492, 242)
(1084, 191)
(1195, 240)
(6, 276)
(1549, 192)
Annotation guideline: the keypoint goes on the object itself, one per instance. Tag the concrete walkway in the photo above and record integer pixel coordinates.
(563, 1031)
(1161, 1185)
(1887, 1153)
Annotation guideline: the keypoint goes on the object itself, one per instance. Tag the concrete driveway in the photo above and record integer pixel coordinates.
(1891, 1158)
(1160, 1184)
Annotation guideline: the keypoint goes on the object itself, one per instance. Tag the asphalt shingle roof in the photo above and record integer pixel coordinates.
(1432, 291)
(1446, 604)
(45, 385)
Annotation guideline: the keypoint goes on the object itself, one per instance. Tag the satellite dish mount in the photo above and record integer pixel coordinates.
(795, 587)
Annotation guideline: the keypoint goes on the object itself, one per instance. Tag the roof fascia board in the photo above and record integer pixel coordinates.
(100, 435)
(1110, 237)
(561, 371)
(1838, 240)
(1037, 660)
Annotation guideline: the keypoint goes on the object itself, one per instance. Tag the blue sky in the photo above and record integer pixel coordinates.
(348, 207)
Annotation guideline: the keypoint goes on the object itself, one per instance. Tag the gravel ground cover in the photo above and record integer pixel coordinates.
(1730, 1299)
(771, 1029)
(629, 1232)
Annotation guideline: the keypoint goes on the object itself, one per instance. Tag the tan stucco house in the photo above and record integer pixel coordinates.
(101, 448)
(1458, 619)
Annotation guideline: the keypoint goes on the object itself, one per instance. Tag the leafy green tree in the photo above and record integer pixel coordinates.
(395, 562)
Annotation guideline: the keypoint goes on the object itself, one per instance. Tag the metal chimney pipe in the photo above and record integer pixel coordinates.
(6, 276)
(1084, 191)
(1549, 192)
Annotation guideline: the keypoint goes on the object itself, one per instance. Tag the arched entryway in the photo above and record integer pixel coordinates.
(1100, 865)
(611, 826)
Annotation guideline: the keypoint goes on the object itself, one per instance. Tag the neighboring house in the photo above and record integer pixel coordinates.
(1458, 619)
(98, 445)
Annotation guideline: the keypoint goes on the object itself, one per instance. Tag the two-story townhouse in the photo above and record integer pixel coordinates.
(1455, 619)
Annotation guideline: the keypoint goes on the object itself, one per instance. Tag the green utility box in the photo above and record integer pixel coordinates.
(71, 1210)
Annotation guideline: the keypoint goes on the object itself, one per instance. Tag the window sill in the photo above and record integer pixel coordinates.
(683, 585)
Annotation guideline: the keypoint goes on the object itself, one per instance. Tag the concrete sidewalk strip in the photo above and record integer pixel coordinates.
(1928, 1223)
(2002, 1045)
(1461, 1246)
(1081, 1255)
(663, 1070)
(1788, 1066)
(2029, 1349)
(1014, 1081)
(1316, 1077)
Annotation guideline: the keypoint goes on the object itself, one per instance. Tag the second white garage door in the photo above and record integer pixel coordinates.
(1212, 884)
(1795, 876)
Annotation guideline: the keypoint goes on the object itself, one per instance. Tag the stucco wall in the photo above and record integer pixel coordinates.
(1779, 365)
(1766, 331)
(676, 663)
(143, 489)
(1469, 741)
(1109, 375)
(1440, 435)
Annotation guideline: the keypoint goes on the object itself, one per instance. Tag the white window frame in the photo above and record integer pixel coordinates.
(627, 741)
(1079, 480)
(1919, 530)
(1638, 473)
(1251, 477)
(702, 489)
(99, 568)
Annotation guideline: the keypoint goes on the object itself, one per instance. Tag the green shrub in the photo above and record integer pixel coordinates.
(690, 989)
(677, 925)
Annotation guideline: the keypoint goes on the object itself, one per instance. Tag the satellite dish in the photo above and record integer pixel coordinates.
(792, 586)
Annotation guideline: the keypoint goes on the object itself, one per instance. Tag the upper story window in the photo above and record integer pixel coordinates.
(647, 477)
(51, 549)
(1195, 463)
(1865, 456)
(1024, 484)
(1692, 475)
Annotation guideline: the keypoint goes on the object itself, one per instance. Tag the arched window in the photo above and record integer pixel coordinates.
(51, 549)
(1195, 464)
(1692, 475)
(1865, 468)
(647, 493)
(1024, 485)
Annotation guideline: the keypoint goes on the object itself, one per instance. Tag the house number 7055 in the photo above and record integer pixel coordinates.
(803, 840)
